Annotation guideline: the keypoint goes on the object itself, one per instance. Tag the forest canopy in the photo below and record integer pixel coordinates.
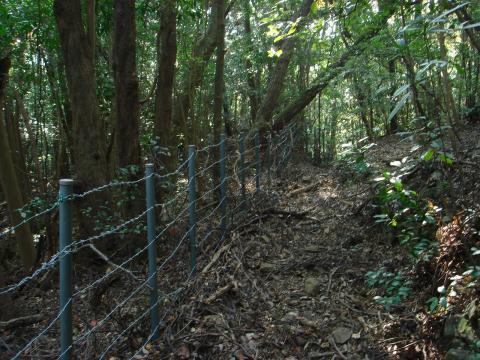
(93, 87)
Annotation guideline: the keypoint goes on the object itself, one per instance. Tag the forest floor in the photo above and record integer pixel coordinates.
(287, 283)
(290, 283)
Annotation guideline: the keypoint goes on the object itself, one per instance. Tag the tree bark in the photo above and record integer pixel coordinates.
(393, 126)
(126, 84)
(464, 17)
(452, 112)
(362, 105)
(12, 124)
(322, 81)
(166, 57)
(279, 71)
(219, 88)
(253, 94)
(201, 53)
(33, 142)
(9, 181)
(88, 130)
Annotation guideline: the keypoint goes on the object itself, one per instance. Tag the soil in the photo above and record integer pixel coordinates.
(287, 283)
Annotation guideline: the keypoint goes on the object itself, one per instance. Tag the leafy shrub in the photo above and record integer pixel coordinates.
(353, 158)
(395, 286)
(403, 212)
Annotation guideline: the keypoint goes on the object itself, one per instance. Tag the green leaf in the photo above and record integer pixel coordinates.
(274, 52)
(272, 30)
(432, 303)
(399, 106)
(428, 155)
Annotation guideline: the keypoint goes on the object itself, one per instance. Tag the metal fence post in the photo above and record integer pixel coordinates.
(257, 161)
(292, 144)
(65, 223)
(152, 250)
(242, 169)
(269, 160)
(223, 189)
(191, 209)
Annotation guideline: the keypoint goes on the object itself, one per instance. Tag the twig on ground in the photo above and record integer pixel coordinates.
(110, 262)
(330, 279)
(221, 291)
(21, 321)
(334, 344)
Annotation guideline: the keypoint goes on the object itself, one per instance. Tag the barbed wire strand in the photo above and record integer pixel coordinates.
(286, 151)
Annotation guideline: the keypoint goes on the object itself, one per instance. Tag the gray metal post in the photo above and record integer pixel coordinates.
(291, 148)
(152, 251)
(191, 209)
(65, 222)
(223, 188)
(268, 159)
(242, 169)
(257, 161)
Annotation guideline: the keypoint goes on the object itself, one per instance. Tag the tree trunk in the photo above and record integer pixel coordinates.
(362, 105)
(167, 54)
(464, 17)
(251, 78)
(335, 69)
(219, 88)
(393, 126)
(33, 142)
(201, 53)
(451, 107)
(277, 76)
(12, 123)
(126, 84)
(88, 130)
(9, 181)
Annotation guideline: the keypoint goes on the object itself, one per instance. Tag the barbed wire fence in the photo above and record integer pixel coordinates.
(251, 166)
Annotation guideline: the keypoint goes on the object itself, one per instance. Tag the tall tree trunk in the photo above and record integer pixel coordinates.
(88, 133)
(166, 57)
(335, 69)
(362, 105)
(464, 17)
(219, 88)
(9, 181)
(15, 141)
(417, 105)
(201, 53)
(451, 107)
(393, 126)
(88, 130)
(127, 104)
(253, 91)
(33, 142)
(279, 71)
(62, 160)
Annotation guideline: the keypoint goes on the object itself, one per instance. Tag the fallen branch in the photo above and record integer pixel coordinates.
(330, 279)
(303, 189)
(334, 344)
(21, 321)
(294, 214)
(215, 258)
(110, 262)
(220, 292)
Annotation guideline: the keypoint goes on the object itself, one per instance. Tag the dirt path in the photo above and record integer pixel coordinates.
(291, 283)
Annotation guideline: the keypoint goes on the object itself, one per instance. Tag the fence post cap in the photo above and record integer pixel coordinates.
(66, 182)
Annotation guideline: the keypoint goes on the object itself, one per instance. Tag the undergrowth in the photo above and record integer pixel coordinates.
(415, 221)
